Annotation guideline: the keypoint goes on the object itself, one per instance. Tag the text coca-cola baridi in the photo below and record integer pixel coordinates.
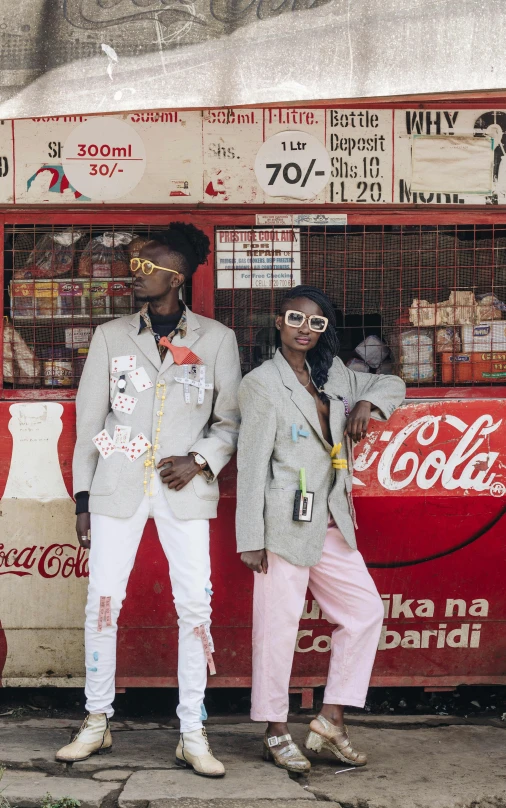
(53, 561)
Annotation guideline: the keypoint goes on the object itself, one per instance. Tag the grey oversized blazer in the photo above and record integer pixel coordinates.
(271, 400)
(211, 428)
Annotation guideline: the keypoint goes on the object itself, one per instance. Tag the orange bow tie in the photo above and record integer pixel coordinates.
(181, 354)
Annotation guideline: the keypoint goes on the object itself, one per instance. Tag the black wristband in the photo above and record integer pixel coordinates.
(82, 502)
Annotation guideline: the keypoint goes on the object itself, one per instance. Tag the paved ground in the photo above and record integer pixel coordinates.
(419, 762)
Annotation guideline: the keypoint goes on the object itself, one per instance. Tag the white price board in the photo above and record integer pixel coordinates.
(360, 146)
(292, 164)
(258, 258)
(104, 158)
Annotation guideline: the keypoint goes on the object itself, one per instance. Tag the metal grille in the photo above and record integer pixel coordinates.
(60, 282)
(428, 300)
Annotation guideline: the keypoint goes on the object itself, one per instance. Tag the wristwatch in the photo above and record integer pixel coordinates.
(199, 460)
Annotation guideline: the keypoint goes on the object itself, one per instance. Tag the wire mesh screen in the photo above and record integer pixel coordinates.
(425, 302)
(60, 282)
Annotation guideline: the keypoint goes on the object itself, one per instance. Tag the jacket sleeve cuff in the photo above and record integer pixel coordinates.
(82, 502)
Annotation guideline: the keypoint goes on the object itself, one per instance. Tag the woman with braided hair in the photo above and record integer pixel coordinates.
(295, 521)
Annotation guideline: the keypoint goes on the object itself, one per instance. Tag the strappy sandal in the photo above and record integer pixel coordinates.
(325, 735)
(287, 757)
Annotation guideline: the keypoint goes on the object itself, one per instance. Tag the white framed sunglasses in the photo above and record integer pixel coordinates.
(316, 322)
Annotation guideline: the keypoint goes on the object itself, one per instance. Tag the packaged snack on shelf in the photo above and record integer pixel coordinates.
(373, 350)
(120, 293)
(70, 295)
(487, 336)
(78, 337)
(105, 257)
(22, 295)
(358, 365)
(96, 297)
(52, 256)
(20, 365)
(136, 246)
(416, 355)
(56, 367)
(46, 298)
(448, 340)
(418, 373)
(490, 306)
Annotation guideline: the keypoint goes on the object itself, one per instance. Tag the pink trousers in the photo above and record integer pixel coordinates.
(347, 596)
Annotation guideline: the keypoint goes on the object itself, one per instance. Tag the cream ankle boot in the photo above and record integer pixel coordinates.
(94, 737)
(193, 752)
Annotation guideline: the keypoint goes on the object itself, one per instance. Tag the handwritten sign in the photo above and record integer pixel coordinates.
(258, 258)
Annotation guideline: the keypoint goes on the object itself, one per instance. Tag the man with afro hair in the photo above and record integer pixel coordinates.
(157, 419)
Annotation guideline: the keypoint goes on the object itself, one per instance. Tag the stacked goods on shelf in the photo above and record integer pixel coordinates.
(52, 255)
(105, 257)
(74, 297)
(417, 355)
(483, 356)
(470, 336)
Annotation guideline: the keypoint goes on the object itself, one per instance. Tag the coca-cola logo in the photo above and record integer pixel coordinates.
(53, 561)
(467, 465)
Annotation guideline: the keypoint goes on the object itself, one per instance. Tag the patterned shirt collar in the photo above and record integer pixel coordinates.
(145, 322)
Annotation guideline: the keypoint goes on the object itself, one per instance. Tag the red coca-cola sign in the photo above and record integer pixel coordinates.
(53, 561)
(437, 449)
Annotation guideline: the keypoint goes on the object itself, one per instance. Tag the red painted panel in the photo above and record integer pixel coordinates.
(399, 530)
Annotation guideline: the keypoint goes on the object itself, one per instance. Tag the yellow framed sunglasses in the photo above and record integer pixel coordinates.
(147, 266)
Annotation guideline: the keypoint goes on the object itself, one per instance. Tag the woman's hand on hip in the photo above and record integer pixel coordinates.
(255, 560)
(358, 421)
(83, 523)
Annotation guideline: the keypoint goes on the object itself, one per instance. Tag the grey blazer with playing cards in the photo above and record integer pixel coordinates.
(271, 400)
(211, 428)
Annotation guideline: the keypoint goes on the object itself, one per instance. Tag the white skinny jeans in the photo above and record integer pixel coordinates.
(114, 544)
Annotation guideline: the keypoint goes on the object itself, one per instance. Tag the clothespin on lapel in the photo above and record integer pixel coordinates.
(338, 462)
(296, 432)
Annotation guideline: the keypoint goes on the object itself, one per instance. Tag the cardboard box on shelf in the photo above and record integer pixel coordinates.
(486, 336)
(483, 367)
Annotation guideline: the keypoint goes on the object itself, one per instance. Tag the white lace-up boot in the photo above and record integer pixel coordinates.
(193, 752)
(94, 737)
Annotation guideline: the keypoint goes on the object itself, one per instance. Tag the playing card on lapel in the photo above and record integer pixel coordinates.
(140, 379)
(121, 437)
(113, 381)
(124, 403)
(104, 443)
(137, 447)
(119, 363)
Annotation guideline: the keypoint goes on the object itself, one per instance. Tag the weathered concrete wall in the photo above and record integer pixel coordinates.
(89, 56)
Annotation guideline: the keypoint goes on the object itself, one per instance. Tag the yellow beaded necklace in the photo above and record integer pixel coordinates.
(150, 460)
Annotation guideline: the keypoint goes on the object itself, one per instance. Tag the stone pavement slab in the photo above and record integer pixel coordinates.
(411, 765)
(448, 767)
(24, 747)
(243, 781)
(26, 789)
